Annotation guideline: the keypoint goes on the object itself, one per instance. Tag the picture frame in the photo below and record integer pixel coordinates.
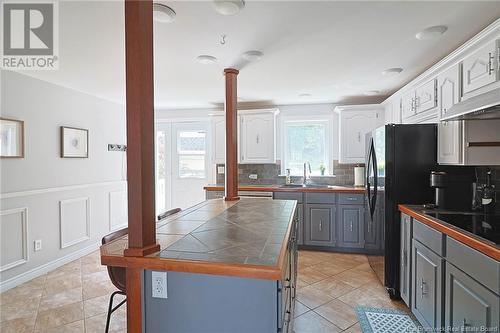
(11, 138)
(74, 142)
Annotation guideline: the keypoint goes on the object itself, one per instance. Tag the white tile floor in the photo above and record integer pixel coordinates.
(74, 297)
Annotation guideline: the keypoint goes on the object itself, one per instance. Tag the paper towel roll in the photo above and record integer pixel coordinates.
(359, 176)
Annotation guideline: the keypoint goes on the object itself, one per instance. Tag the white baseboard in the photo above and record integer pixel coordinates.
(45, 268)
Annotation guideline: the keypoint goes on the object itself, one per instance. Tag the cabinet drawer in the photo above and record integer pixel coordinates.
(288, 196)
(351, 199)
(482, 268)
(320, 198)
(431, 238)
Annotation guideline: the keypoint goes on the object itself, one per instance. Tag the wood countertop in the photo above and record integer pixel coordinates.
(281, 188)
(478, 243)
(246, 238)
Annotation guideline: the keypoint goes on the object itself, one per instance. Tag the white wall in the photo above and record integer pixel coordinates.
(83, 198)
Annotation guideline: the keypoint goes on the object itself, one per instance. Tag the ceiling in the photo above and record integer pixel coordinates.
(332, 50)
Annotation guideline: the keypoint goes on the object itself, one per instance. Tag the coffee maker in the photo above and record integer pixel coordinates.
(439, 181)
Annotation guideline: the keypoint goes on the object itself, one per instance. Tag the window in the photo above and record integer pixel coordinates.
(307, 141)
(191, 147)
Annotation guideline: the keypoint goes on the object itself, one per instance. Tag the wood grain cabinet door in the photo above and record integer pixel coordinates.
(469, 306)
(426, 299)
(480, 68)
(320, 225)
(351, 226)
(426, 97)
(257, 138)
(450, 142)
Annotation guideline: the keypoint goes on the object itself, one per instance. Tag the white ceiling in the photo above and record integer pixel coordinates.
(332, 50)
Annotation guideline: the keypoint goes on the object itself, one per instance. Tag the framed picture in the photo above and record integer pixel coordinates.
(74, 142)
(11, 138)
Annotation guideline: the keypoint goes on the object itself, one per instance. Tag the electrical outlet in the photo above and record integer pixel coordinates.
(38, 244)
(253, 176)
(220, 170)
(159, 284)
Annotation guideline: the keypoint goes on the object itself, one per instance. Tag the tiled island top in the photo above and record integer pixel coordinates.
(242, 238)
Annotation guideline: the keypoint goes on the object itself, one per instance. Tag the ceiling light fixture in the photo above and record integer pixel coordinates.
(392, 71)
(252, 55)
(431, 32)
(371, 92)
(163, 13)
(228, 7)
(206, 59)
(305, 95)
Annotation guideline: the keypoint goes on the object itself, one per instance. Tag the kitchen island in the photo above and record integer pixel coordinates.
(231, 267)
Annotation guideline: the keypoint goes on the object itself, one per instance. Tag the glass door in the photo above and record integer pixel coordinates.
(163, 167)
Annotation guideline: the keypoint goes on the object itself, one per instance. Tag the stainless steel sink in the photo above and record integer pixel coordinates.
(302, 186)
(291, 185)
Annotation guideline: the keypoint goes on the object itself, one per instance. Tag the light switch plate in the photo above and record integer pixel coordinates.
(220, 170)
(253, 176)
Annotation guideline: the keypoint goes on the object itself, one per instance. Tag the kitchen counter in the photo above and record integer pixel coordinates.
(487, 247)
(281, 188)
(246, 238)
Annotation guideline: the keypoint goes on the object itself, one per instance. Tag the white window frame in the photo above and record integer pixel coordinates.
(327, 119)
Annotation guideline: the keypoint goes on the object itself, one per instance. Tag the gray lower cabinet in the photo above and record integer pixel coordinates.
(300, 224)
(469, 306)
(351, 233)
(320, 224)
(405, 257)
(426, 287)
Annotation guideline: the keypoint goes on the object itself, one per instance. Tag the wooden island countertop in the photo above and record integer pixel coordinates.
(245, 238)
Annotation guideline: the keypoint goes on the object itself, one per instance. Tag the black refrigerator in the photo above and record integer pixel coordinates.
(398, 164)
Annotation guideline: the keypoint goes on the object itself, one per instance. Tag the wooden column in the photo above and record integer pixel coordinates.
(140, 128)
(230, 106)
(140, 150)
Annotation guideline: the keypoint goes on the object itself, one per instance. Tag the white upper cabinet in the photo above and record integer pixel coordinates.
(393, 111)
(355, 122)
(448, 84)
(450, 142)
(256, 137)
(408, 105)
(426, 97)
(218, 139)
(480, 68)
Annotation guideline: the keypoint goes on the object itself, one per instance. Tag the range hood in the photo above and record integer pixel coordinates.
(484, 106)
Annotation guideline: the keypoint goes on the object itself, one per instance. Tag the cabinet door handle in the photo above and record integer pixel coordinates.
(369, 226)
(320, 225)
(359, 136)
(422, 288)
(257, 139)
(351, 224)
(464, 325)
(490, 64)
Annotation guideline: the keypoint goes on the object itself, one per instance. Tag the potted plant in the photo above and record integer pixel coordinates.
(322, 169)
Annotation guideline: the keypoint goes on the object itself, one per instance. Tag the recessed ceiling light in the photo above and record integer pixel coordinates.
(371, 92)
(252, 55)
(431, 32)
(228, 7)
(206, 59)
(305, 95)
(392, 71)
(163, 13)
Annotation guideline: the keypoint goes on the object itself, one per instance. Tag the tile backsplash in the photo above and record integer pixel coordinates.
(270, 174)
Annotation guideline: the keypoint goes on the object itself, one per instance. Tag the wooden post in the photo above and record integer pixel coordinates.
(140, 149)
(140, 128)
(230, 106)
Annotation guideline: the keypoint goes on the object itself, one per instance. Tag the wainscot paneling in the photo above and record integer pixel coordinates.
(14, 238)
(74, 221)
(118, 213)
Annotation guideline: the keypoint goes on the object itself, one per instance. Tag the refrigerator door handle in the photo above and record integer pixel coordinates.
(368, 185)
(375, 181)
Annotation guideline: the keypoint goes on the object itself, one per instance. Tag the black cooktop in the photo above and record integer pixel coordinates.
(485, 226)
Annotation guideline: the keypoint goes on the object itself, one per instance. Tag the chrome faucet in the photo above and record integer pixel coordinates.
(307, 165)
